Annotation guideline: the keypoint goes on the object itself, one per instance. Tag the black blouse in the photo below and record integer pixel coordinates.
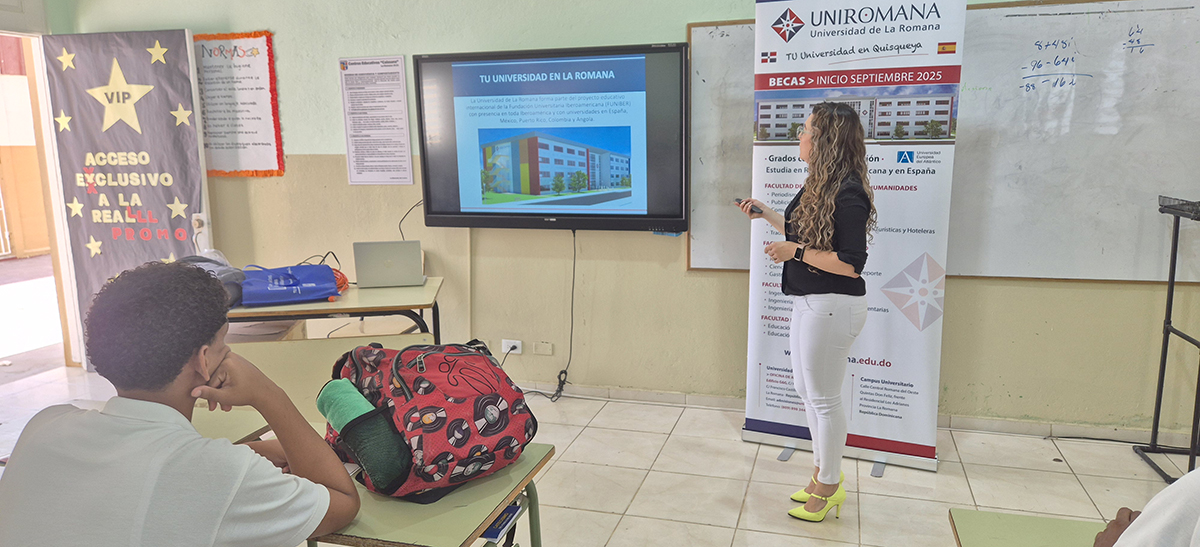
(851, 210)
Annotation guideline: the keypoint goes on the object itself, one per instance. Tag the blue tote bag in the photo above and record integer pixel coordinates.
(288, 285)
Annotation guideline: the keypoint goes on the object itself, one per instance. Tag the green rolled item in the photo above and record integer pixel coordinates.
(384, 456)
(340, 402)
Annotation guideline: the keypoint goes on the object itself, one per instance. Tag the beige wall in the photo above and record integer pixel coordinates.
(1053, 351)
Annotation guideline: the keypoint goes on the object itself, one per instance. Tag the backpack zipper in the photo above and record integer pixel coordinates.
(419, 361)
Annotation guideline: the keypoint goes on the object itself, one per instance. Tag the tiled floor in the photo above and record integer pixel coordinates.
(631, 474)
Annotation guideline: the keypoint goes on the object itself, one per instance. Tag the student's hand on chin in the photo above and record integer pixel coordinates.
(235, 382)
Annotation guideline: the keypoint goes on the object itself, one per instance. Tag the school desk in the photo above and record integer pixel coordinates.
(356, 302)
(987, 529)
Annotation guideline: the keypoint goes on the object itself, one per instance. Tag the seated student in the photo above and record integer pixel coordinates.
(137, 473)
(1171, 519)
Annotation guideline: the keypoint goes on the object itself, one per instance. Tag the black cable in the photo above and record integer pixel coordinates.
(505, 358)
(562, 374)
(400, 226)
(323, 258)
(330, 335)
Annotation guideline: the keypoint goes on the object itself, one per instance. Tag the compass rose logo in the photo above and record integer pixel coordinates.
(919, 291)
(788, 25)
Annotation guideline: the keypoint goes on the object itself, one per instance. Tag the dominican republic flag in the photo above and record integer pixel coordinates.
(768, 57)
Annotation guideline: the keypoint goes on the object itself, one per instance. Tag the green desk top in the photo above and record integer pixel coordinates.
(453, 521)
(238, 425)
(355, 300)
(986, 529)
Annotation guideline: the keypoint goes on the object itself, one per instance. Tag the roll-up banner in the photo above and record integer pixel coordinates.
(898, 65)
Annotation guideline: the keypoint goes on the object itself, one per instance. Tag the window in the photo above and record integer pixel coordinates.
(779, 125)
(922, 112)
(765, 107)
(901, 123)
(922, 103)
(781, 116)
(882, 114)
(941, 112)
(903, 103)
(543, 146)
(781, 107)
(797, 106)
(885, 103)
(904, 113)
(558, 149)
(764, 117)
(543, 159)
(561, 174)
(558, 162)
(797, 115)
(885, 124)
(545, 174)
(570, 163)
(942, 102)
(571, 151)
(922, 132)
(781, 135)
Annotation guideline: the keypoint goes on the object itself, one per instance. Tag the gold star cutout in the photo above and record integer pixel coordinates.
(254, 52)
(181, 115)
(156, 53)
(64, 121)
(118, 98)
(67, 59)
(169, 259)
(93, 245)
(177, 208)
(75, 207)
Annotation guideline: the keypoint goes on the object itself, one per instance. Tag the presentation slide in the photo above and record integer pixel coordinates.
(552, 136)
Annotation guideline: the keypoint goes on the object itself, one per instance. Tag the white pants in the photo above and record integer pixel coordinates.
(823, 328)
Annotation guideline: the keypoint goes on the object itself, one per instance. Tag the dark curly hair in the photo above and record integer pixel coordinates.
(146, 323)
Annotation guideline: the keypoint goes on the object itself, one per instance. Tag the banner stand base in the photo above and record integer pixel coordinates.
(924, 464)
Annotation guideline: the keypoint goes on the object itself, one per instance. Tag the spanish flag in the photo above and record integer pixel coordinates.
(946, 47)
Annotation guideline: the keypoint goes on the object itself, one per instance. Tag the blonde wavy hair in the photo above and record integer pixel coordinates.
(838, 151)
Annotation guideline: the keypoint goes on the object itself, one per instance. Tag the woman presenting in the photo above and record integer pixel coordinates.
(826, 226)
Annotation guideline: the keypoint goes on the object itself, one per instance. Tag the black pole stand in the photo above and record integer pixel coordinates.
(1179, 209)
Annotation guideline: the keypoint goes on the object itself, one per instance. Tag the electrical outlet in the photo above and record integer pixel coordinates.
(543, 348)
(506, 345)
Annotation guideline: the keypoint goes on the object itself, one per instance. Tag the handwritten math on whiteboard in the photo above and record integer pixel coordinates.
(1073, 119)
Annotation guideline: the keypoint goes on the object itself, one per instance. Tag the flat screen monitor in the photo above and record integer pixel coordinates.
(588, 138)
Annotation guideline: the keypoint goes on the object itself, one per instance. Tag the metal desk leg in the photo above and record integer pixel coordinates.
(535, 519)
(312, 543)
(437, 327)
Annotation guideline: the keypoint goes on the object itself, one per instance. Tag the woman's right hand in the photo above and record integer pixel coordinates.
(747, 203)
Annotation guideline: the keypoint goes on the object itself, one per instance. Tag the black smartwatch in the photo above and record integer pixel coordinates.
(799, 254)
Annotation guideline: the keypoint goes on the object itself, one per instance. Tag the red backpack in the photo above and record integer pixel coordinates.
(459, 413)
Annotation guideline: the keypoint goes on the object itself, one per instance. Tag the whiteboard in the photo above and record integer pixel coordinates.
(1057, 181)
(1058, 176)
(723, 126)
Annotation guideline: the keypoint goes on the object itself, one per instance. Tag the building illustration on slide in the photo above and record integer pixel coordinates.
(528, 164)
(880, 115)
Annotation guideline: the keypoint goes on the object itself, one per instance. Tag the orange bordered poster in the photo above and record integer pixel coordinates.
(242, 136)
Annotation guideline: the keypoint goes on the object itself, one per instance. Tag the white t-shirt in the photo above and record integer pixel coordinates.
(1171, 519)
(138, 474)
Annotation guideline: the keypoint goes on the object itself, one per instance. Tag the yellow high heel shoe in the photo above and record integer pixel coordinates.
(802, 496)
(836, 500)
